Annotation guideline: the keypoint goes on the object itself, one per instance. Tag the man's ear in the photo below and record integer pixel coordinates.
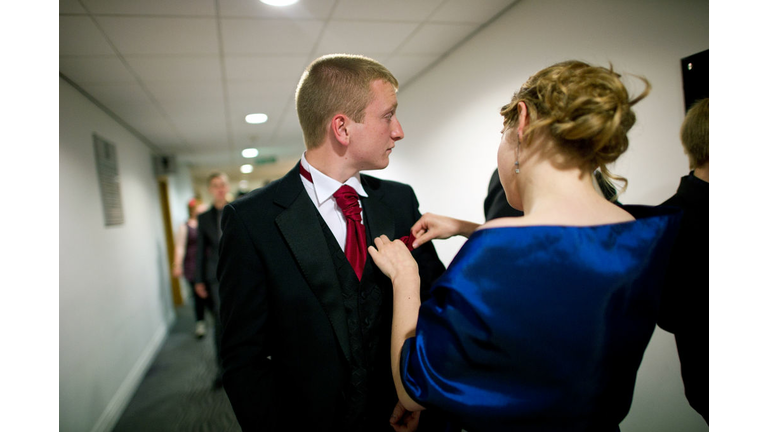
(340, 128)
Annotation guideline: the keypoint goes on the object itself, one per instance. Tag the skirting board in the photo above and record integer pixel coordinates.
(120, 400)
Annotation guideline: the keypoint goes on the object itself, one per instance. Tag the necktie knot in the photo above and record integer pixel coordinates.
(347, 200)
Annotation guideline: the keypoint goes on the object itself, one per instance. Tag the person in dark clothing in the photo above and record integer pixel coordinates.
(184, 264)
(206, 282)
(685, 300)
(307, 315)
(495, 205)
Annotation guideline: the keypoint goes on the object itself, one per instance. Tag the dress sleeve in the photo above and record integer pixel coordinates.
(453, 363)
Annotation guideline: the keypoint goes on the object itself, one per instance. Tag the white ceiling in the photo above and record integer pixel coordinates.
(184, 73)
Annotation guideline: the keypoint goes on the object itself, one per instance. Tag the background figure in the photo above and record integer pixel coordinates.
(496, 205)
(307, 315)
(184, 263)
(541, 321)
(685, 301)
(209, 233)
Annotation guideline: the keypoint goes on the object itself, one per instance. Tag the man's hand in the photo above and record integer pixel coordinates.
(403, 420)
(200, 290)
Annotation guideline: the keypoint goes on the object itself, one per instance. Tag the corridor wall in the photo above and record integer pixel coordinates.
(114, 286)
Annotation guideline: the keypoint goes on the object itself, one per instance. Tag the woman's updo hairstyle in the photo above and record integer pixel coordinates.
(585, 109)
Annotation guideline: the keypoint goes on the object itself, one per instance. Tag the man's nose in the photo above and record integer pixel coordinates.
(397, 131)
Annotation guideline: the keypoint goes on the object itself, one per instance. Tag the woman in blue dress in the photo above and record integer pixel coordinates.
(541, 321)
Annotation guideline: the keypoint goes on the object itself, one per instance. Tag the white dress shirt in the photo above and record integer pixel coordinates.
(321, 190)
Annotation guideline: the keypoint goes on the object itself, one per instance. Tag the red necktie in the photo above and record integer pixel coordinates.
(347, 200)
(354, 249)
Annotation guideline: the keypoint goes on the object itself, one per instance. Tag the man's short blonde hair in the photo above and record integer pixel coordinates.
(333, 84)
(694, 133)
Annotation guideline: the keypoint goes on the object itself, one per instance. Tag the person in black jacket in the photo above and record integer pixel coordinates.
(209, 233)
(306, 317)
(685, 300)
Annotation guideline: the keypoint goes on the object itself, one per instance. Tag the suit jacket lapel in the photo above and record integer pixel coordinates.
(379, 218)
(303, 233)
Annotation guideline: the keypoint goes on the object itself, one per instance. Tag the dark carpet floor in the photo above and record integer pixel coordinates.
(176, 393)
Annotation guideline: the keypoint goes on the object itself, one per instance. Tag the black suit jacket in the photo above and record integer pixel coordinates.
(685, 298)
(207, 247)
(285, 345)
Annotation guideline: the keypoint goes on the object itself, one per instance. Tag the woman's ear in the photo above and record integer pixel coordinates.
(339, 128)
(522, 119)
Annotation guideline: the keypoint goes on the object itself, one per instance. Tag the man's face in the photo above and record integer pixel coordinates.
(218, 188)
(372, 141)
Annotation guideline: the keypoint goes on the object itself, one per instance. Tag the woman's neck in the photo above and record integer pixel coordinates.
(566, 196)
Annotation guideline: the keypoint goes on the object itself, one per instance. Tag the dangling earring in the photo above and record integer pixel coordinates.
(517, 160)
(517, 167)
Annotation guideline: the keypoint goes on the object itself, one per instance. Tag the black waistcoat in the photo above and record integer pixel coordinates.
(362, 304)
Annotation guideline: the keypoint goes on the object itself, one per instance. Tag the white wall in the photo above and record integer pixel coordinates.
(114, 288)
(451, 120)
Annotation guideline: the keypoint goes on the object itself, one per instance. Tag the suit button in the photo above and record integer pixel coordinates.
(364, 295)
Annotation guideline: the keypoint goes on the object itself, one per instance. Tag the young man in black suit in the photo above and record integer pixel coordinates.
(306, 314)
(685, 299)
(209, 233)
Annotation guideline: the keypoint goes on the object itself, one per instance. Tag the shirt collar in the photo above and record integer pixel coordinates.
(325, 186)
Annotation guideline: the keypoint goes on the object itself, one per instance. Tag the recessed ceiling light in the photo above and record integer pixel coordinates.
(279, 2)
(246, 169)
(250, 153)
(256, 118)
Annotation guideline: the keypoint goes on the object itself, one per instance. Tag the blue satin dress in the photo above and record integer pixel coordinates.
(541, 328)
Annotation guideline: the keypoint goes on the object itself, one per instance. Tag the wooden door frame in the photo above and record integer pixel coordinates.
(170, 245)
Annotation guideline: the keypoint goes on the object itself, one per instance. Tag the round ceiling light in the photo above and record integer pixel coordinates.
(257, 118)
(246, 169)
(279, 2)
(250, 153)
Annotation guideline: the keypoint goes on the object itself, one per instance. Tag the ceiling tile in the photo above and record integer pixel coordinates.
(275, 93)
(191, 92)
(259, 36)
(265, 68)
(199, 124)
(469, 11)
(179, 36)
(406, 67)
(151, 7)
(366, 38)
(103, 69)
(436, 38)
(80, 36)
(152, 123)
(314, 9)
(376, 10)
(114, 94)
(168, 68)
(70, 7)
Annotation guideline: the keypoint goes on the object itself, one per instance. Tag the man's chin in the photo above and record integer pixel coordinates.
(376, 166)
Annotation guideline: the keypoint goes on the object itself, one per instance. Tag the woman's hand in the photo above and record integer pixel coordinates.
(393, 258)
(431, 226)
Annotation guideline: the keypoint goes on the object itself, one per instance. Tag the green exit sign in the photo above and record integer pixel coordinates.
(265, 160)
